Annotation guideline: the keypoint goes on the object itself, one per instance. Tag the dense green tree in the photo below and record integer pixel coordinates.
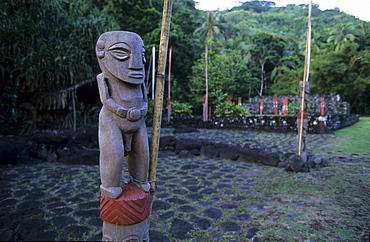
(184, 47)
(140, 16)
(345, 72)
(42, 46)
(267, 52)
(228, 74)
(144, 18)
(235, 44)
(45, 45)
(286, 83)
(341, 34)
(256, 6)
(364, 36)
(289, 21)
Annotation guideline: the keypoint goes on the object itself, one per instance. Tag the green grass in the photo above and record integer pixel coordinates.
(330, 199)
(356, 138)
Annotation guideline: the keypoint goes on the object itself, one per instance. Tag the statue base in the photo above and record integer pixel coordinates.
(127, 233)
(132, 207)
(125, 218)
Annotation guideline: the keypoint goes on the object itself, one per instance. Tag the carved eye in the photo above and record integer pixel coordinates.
(144, 59)
(120, 53)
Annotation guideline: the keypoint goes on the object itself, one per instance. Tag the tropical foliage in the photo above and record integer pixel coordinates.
(230, 109)
(255, 49)
(45, 45)
(181, 109)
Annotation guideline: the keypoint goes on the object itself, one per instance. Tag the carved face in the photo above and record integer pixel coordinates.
(121, 55)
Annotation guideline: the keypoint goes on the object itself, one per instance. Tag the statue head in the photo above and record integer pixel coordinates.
(121, 55)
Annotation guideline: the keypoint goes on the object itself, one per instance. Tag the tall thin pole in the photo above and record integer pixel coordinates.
(153, 71)
(74, 108)
(305, 80)
(158, 102)
(205, 108)
(148, 72)
(169, 86)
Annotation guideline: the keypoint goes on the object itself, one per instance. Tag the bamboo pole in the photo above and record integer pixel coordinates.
(158, 102)
(305, 79)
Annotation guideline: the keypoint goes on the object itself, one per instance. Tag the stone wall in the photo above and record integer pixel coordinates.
(333, 104)
(263, 123)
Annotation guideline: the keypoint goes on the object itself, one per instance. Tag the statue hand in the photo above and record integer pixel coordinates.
(122, 112)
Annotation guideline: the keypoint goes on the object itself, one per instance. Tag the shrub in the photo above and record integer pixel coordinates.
(181, 109)
(230, 109)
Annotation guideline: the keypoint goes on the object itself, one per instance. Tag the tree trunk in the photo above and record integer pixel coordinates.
(262, 62)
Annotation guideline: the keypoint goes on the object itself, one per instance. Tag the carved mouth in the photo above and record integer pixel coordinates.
(136, 75)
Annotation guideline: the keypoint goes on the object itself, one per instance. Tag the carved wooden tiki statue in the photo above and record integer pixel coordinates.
(123, 137)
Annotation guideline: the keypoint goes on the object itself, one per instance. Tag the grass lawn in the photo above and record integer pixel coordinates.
(331, 199)
(330, 204)
(356, 138)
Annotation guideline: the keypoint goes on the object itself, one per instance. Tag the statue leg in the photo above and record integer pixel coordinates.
(138, 159)
(111, 155)
(111, 164)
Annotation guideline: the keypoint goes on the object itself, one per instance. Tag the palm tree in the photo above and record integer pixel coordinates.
(342, 34)
(364, 28)
(363, 38)
(209, 32)
(236, 43)
(318, 39)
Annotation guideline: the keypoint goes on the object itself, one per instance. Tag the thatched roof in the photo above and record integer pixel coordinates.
(57, 99)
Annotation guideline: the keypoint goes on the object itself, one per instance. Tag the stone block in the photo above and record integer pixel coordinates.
(295, 163)
(230, 152)
(167, 142)
(187, 144)
(249, 154)
(211, 150)
(269, 159)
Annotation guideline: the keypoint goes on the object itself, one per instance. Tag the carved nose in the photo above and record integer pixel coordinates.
(136, 62)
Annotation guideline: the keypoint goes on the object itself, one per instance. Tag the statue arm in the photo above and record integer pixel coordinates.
(106, 99)
(145, 94)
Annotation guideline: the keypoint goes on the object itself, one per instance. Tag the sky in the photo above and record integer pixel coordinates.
(358, 8)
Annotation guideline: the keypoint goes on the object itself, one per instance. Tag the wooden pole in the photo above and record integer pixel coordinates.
(74, 109)
(205, 108)
(169, 87)
(158, 102)
(305, 80)
(153, 71)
